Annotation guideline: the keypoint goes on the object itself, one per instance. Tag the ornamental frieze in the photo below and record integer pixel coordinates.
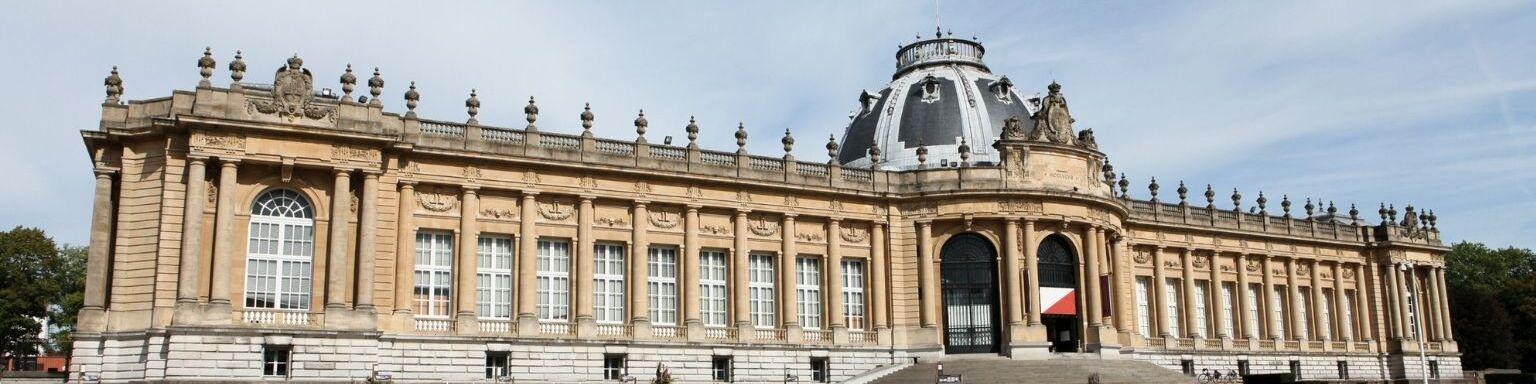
(854, 234)
(614, 222)
(743, 197)
(228, 144)
(472, 173)
(436, 199)
(694, 192)
(642, 187)
(812, 237)
(500, 214)
(342, 152)
(531, 178)
(664, 218)
(556, 209)
(762, 226)
(1023, 205)
(715, 230)
(588, 183)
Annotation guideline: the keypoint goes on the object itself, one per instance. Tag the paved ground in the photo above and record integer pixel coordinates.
(1002, 370)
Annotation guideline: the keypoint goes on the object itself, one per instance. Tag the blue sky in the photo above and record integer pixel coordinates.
(1428, 103)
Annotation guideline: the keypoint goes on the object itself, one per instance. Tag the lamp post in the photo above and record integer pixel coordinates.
(1413, 313)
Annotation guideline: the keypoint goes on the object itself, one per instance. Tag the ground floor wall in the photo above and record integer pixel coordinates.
(216, 356)
(1312, 366)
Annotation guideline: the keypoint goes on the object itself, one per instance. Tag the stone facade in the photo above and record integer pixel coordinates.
(233, 222)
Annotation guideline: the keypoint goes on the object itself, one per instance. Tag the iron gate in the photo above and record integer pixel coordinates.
(969, 273)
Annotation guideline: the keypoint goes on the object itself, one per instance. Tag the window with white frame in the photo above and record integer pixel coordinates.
(1144, 306)
(712, 282)
(1277, 302)
(493, 277)
(1171, 287)
(1413, 312)
(808, 291)
(434, 273)
(661, 284)
(1347, 330)
(1304, 304)
(553, 275)
(1201, 294)
(608, 283)
(1325, 317)
(279, 252)
(853, 294)
(1253, 310)
(760, 279)
(1228, 308)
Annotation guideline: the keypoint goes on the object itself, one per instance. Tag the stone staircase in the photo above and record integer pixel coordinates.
(1057, 370)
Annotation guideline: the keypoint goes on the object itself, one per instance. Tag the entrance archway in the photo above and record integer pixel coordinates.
(1058, 294)
(969, 273)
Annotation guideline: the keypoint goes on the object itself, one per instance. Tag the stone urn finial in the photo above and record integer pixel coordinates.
(411, 98)
(832, 149)
(531, 113)
(237, 70)
(741, 138)
(640, 125)
(348, 83)
(114, 87)
(205, 66)
(473, 105)
(789, 144)
(693, 132)
(375, 88)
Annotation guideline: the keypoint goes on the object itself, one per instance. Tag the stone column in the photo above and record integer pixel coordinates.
(1413, 306)
(1267, 294)
(1393, 304)
(1218, 313)
(878, 295)
(790, 318)
(191, 229)
(1340, 327)
(527, 262)
(925, 277)
(1316, 312)
(405, 248)
(93, 313)
(223, 237)
(1032, 263)
(469, 250)
(639, 248)
(584, 264)
(1404, 312)
(692, 316)
(1291, 292)
(336, 254)
(1240, 314)
(834, 276)
(1160, 293)
(367, 228)
(741, 312)
(1432, 310)
(1091, 301)
(1363, 314)
(1186, 258)
(1011, 275)
(1125, 312)
(1443, 304)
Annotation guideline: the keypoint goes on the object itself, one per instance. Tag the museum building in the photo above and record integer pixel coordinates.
(283, 231)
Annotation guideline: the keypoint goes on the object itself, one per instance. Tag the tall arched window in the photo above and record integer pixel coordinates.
(1058, 268)
(280, 251)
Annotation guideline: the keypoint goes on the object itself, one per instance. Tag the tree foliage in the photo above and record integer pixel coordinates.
(27, 284)
(1492, 294)
(69, 272)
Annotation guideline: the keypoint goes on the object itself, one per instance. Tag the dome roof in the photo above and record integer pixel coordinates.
(941, 94)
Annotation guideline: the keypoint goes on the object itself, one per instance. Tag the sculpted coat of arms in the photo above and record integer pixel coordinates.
(293, 93)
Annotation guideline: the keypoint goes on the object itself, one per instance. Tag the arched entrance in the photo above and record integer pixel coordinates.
(969, 273)
(1058, 294)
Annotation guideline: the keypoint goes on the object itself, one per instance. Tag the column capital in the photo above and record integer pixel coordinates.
(406, 183)
(923, 223)
(790, 215)
(693, 207)
(741, 212)
(228, 162)
(102, 172)
(586, 198)
(342, 171)
(199, 158)
(641, 203)
(469, 189)
(834, 220)
(527, 194)
(370, 173)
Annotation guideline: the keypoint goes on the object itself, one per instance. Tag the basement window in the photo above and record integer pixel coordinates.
(274, 360)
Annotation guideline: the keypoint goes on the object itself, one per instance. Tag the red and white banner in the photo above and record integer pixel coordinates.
(1058, 301)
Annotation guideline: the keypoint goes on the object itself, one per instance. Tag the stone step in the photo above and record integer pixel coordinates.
(1066, 370)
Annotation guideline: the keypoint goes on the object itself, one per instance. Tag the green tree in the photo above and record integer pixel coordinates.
(26, 286)
(1493, 305)
(1483, 328)
(69, 271)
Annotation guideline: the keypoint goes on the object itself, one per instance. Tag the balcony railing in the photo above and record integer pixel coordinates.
(768, 335)
(720, 333)
(667, 332)
(816, 336)
(614, 330)
(669, 153)
(863, 337)
(495, 326)
(277, 318)
(555, 329)
(433, 325)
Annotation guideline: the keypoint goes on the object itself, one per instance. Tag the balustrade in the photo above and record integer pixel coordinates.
(768, 335)
(557, 329)
(433, 325)
(277, 318)
(614, 330)
(492, 326)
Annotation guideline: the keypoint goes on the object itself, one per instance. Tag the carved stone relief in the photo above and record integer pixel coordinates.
(502, 214)
(694, 192)
(1199, 261)
(642, 187)
(664, 218)
(588, 183)
(556, 209)
(791, 201)
(762, 226)
(854, 234)
(813, 237)
(715, 230)
(472, 173)
(1142, 256)
(531, 178)
(437, 198)
(1023, 205)
(611, 221)
(341, 152)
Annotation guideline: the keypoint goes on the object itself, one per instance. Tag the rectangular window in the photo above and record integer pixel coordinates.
(554, 280)
(278, 263)
(1143, 306)
(493, 277)
(1325, 316)
(1304, 304)
(434, 273)
(820, 370)
(1253, 310)
(1201, 294)
(1434, 369)
(1277, 301)
(1242, 368)
(760, 279)
(1187, 366)
(496, 365)
(712, 278)
(1171, 287)
(661, 284)
(608, 283)
(1296, 370)
(720, 368)
(274, 360)
(853, 294)
(1343, 370)
(808, 291)
(1228, 308)
(1413, 313)
(613, 367)
(1348, 328)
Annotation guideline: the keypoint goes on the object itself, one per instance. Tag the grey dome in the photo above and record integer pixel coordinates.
(941, 93)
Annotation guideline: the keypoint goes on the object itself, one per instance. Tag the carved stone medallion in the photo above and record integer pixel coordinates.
(293, 94)
(854, 234)
(1142, 256)
(715, 230)
(436, 199)
(502, 214)
(664, 218)
(761, 226)
(556, 209)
